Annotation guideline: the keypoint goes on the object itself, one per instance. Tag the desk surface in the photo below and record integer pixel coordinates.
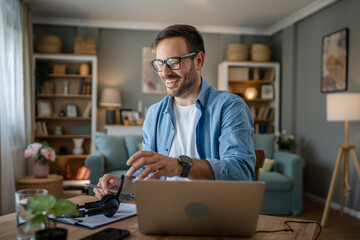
(302, 231)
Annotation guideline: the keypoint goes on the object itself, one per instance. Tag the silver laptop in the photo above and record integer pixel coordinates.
(206, 208)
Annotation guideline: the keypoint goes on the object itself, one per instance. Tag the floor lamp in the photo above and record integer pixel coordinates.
(343, 107)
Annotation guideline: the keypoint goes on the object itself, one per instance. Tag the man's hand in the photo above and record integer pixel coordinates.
(112, 182)
(157, 165)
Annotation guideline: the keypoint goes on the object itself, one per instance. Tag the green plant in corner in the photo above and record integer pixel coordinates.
(41, 206)
(285, 141)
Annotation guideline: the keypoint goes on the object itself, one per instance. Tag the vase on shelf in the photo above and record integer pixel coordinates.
(40, 170)
(78, 146)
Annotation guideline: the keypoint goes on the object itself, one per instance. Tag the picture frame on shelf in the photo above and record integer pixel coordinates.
(334, 61)
(71, 110)
(134, 117)
(267, 91)
(124, 115)
(44, 108)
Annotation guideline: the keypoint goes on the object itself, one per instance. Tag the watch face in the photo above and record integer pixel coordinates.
(185, 159)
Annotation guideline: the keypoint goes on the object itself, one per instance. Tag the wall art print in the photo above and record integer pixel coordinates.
(151, 82)
(334, 61)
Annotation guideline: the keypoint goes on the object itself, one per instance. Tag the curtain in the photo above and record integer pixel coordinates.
(29, 86)
(12, 116)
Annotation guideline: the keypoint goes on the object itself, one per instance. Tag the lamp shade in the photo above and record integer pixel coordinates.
(110, 97)
(343, 107)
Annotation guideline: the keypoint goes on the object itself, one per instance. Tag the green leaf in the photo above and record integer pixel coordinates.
(65, 207)
(34, 222)
(40, 203)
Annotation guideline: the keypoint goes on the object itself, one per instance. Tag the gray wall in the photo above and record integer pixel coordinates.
(303, 104)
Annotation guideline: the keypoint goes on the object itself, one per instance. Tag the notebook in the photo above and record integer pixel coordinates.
(202, 208)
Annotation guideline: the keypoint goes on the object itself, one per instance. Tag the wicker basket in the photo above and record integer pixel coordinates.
(87, 47)
(260, 52)
(59, 69)
(236, 52)
(49, 44)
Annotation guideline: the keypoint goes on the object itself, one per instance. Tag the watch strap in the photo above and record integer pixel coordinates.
(185, 171)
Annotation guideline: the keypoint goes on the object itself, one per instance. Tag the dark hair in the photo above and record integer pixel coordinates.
(193, 38)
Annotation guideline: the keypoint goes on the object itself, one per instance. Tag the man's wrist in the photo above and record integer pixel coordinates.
(186, 163)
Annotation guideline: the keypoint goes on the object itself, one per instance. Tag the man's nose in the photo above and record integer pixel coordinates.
(166, 71)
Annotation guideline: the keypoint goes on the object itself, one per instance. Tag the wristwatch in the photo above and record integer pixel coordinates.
(186, 162)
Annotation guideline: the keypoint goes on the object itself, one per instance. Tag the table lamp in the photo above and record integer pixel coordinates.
(251, 93)
(342, 107)
(110, 98)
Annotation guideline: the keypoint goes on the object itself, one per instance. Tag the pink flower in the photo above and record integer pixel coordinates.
(41, 152)
(46, 153)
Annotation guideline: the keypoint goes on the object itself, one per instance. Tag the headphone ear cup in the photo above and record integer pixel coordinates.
(113, 207)
(106, 198)
(113, 203)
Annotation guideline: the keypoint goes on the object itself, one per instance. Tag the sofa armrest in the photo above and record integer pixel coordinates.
(291, 165)
(96, 163)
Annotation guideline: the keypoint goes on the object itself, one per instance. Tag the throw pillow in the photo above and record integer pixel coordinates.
(267, 165)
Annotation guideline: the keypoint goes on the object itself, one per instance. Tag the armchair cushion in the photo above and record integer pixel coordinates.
(276, 181)
(114, 150)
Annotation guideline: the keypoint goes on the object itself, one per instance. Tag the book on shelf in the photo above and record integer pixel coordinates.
(269, 74)
(40, 128)
(87, 111)
(84, 87)
(83, 173)
(81, 84)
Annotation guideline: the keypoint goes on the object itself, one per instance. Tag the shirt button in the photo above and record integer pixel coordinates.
(166, 150)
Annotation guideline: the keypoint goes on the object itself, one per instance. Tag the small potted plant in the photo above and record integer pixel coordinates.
(40, 207)
(41, 153)
(286, 142)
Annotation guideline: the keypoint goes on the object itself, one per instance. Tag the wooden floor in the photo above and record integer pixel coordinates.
(337, 228)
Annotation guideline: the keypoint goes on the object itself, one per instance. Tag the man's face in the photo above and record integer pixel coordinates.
(181, 82)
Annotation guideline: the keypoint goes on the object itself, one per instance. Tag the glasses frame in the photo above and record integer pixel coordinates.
(165, 62)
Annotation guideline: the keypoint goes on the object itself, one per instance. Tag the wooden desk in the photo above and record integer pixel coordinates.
(302, 231)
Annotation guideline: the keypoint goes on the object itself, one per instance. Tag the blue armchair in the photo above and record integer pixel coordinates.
(283, 192)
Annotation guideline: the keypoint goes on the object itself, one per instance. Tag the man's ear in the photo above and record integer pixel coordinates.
(199, 60)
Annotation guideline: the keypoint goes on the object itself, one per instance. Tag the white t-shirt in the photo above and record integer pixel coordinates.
(184, 142)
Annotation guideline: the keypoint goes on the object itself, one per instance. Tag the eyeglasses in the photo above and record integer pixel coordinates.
(173, 63)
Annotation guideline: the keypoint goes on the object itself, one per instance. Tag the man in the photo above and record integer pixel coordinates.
(196, 132)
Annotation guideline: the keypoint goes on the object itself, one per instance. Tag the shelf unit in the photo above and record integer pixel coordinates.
(236, 77)
(78, 126)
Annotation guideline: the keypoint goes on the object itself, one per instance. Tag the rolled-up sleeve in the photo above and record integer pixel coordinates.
(236, 148)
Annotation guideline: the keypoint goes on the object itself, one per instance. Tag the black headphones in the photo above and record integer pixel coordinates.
(108, 204)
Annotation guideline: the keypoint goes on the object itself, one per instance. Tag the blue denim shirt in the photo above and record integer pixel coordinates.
(223, 133)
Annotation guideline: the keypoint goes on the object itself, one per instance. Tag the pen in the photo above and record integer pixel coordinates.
(98, 187)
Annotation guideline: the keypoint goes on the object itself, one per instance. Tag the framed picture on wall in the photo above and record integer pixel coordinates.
(334, 61)
(151, 82)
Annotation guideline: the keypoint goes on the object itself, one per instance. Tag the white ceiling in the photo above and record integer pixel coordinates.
(216, 16)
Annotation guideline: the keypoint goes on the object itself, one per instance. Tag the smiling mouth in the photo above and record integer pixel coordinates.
(169, 81)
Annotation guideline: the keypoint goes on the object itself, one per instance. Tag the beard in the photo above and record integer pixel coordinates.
(186, 83)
